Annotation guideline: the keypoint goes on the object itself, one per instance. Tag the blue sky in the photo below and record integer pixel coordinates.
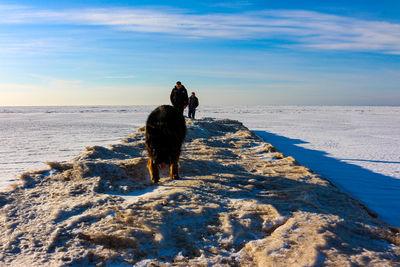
(228, 52)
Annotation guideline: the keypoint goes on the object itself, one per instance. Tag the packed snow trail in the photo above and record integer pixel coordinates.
(239, 202)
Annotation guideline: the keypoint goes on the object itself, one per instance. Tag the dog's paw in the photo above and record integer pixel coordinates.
(175, 177)
(155, 179)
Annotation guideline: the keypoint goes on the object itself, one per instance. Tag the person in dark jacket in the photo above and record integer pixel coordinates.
(193, 104)
(179, 97)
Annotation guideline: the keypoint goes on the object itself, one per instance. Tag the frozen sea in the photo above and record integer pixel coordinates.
(355, 147)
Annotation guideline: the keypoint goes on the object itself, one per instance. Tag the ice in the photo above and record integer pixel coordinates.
(231, 207)
(355, 147)
(30, 136)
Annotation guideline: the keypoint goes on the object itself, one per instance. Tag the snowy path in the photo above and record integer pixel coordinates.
(378, 192)
(239, 202)
(354, 147)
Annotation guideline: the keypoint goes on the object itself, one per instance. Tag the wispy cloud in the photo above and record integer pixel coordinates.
(230, 4)
(307, 29)
(120, 77)
(45, 83)
(57, 83)
(12, 87)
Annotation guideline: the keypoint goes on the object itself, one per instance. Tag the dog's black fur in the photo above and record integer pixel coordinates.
(165, 133)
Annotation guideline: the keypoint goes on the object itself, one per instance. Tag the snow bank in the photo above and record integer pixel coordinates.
(239, 202)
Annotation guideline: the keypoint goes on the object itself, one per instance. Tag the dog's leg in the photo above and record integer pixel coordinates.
(153, 169)
(174, 170)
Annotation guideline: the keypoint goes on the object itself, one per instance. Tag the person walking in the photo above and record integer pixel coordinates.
(179, 97)
(193, 104)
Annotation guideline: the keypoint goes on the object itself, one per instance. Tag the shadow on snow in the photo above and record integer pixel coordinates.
(379, 192)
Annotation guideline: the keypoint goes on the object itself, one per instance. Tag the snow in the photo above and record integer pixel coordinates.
(30, 136)
(233, 206)
(355, 147)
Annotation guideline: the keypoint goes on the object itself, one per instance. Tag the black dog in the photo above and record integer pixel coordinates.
(165, 133)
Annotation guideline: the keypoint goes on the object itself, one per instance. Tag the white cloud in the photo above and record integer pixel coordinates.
(11, 87)
(230, 4)
(57, 83)
(308, 29)
(121, 77)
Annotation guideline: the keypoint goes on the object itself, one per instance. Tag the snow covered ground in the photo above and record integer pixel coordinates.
(354, 147)
(29, 136)
(239, 203)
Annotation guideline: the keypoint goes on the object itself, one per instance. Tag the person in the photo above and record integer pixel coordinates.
(179, 97)
(193, 104)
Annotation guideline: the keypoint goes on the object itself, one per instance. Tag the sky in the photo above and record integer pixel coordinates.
(228, 52)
